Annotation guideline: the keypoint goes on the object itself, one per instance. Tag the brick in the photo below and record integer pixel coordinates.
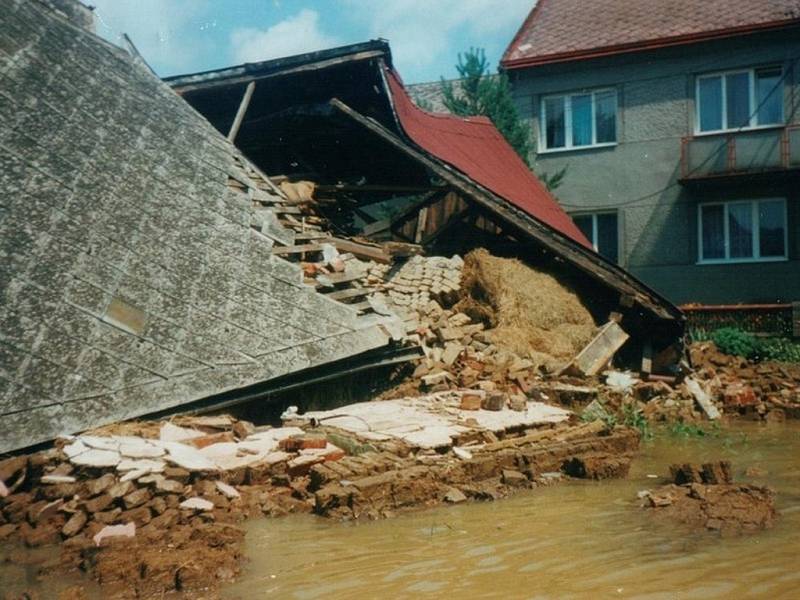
(99, 503)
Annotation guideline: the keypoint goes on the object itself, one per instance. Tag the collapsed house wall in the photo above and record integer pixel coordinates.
(132, 279)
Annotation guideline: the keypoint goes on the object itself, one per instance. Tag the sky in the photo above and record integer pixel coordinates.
(187, 36)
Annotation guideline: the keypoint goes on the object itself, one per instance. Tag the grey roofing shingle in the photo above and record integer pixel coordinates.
(130, 279)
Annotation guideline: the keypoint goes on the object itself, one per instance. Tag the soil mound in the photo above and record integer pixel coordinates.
(528, 311)
(705, 497)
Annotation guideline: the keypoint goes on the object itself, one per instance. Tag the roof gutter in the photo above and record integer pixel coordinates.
(520, 63)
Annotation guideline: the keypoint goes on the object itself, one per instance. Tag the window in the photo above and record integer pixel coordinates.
(601, 230)
(741, 231)
(739, 99)
(579, 120)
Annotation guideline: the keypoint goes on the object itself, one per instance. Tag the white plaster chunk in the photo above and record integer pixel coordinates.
(140, 448)
(75, 448)
(173, 433)
(196, 504)
(189, 458)
(133, 475)
(58, 479)
(110, 531)
(142, 464)
(100, 443)
(96, 458)
(220, 450)
(227, 490)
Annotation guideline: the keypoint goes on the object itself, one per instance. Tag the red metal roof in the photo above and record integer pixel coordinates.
(475, 147)
(559, 30)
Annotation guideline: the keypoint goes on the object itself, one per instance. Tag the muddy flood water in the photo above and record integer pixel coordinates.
(573, 540)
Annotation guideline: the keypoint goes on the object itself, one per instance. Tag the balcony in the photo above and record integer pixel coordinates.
(757, 152)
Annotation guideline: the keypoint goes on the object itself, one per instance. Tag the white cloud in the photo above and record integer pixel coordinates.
(169, 35)
(423, 33)
(294, 35)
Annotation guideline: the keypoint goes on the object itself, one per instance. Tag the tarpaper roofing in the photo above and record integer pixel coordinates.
(132, 280)
(558, 30)
(475, 147)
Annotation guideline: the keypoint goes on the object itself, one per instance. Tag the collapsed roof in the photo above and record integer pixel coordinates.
(132, 281)
(343, 118)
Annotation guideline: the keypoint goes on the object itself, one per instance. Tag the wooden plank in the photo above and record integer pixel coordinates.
(310, 235)
(340, 278)
(361, 250)
(702, 398)
(647, 358)
(422, 219)
(600, 350)
(237, 121)
(296, 249)
(287, 210)
(376, 227)
(377, 188)
(349, 293)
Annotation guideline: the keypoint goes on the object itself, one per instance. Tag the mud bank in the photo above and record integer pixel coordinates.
(152, 508)
(706, 497)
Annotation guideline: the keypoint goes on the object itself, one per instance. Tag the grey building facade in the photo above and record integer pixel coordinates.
(682, 162)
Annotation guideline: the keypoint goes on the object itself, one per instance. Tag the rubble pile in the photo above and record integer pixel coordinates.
(705, 497)
(153, 507)
(759, 390)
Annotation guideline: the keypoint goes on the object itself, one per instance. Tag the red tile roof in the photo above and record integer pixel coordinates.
(559, 30)
(475, 147)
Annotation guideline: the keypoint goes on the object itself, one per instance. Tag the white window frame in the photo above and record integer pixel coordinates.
(594, 216)
(753, 124)
(754, 203)
(543, 149)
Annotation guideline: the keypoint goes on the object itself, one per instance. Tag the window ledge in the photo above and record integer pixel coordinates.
(738, 130)
(576, 148)
(739, 261)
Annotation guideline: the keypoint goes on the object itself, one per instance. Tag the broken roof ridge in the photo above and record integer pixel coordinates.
(282, 62)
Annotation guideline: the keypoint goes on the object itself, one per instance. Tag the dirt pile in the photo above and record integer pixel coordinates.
(527, 311)
(705, 497)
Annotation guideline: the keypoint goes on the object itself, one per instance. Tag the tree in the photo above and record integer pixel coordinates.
(478, 92)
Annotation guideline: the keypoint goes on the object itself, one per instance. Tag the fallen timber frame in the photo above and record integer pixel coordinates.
(516, 219)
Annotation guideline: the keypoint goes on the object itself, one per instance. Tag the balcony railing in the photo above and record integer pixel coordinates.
(742, 152)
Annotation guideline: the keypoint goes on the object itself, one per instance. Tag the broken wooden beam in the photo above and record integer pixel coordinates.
(598, 352)
(237, 121)
(349, 293)
(361, 250)
(298, 249)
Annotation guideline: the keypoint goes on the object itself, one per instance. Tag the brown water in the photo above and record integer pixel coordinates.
(575, 540)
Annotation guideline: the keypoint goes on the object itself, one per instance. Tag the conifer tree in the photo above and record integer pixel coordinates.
(478, 92)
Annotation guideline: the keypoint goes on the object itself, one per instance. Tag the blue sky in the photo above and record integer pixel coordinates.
(182, 36)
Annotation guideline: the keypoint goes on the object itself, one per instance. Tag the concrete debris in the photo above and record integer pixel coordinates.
(114, 531)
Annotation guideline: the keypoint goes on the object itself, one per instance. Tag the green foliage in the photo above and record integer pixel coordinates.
(551, 182)
(699, 334)
(779, 349)
(682, 429)
(632, 416)
(736, 342)
(480, 93)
